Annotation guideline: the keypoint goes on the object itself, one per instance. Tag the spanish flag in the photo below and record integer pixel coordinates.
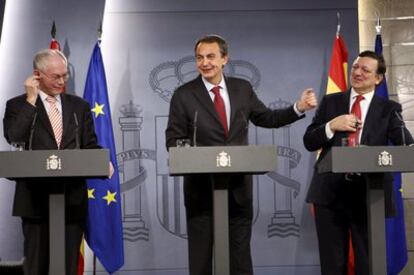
(338, 70)
(338, 82)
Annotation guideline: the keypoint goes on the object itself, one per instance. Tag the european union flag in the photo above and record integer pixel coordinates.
(104, 225)
(395, 228)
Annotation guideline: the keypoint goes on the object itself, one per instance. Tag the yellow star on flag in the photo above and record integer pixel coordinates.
(110, 197)
(90, 193)
(98, 109)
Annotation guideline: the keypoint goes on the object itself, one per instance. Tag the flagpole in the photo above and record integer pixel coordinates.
(94, 264)
(338, 24)
(99, 41)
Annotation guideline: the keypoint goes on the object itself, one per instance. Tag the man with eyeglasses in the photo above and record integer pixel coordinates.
(360, 117)
(53, 115)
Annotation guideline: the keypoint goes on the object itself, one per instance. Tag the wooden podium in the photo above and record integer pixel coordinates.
(371, 159)
(90, 163)
(218, 161)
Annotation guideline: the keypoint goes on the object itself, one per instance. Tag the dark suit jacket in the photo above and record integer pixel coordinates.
(31, 196)
(193, 97)
(381, 126)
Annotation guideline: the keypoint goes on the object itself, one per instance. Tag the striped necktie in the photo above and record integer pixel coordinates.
(55, 118)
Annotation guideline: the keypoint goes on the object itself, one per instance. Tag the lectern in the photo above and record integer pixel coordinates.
(91, 163)
(371, 159)
(219, 161)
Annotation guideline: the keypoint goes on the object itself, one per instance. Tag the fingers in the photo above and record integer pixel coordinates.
(31, 86)
(111, 170)
(346, 123)
(308, 100)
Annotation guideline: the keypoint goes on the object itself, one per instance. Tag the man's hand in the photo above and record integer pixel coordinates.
(111, 170)
(307, 101)
(345, 123)
(31, 86)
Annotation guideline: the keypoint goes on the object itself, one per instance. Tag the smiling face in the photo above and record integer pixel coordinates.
(364, 76)
(210, 62)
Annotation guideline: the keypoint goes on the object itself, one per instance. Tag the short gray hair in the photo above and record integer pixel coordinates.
(40, 59)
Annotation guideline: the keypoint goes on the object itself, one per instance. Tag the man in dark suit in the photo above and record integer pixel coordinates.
(340, 199)
(222, 119)
(53, 115)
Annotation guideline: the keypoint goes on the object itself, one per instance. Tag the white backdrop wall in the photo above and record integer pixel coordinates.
(282, 47)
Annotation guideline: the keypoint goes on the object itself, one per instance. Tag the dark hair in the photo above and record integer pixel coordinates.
(381, 69)
(214, 38)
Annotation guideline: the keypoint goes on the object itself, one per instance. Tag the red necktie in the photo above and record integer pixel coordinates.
(356, 110)
(220, 108)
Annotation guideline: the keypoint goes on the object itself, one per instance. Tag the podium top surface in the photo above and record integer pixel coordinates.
(89, 163)
(368, 159)
(252, 159)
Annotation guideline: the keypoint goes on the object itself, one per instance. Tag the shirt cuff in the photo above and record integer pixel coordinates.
(328, 131)
(295, 108)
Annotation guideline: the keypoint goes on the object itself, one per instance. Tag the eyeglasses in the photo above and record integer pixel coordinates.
(56, 77)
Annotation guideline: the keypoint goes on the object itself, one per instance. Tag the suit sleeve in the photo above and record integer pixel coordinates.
(87, 134)
(17, 120)
(263, 116)
(177, 127)
(397, 131)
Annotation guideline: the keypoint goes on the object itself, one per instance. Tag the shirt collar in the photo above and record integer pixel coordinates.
(210, 86)
(368, 96)
(43, 96)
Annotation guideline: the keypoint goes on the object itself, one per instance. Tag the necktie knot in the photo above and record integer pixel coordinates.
(359, 98)
(216, 90)
(51, 99)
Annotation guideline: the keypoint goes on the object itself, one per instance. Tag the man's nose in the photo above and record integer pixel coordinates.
(204, 61)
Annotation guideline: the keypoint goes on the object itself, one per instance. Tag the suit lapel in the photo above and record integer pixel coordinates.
(232, 91)
(67, 113)
(375, 108)
(43, 117)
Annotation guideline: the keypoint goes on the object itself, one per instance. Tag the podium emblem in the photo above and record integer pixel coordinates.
(385, 159)
(223, 160)
(53, 162)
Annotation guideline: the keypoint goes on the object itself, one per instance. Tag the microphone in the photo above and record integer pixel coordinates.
(402, 126)
(195, 129)
(75, 117)
(32, 131)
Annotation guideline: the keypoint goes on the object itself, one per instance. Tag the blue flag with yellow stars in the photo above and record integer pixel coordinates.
(104, 224)
(397, 256)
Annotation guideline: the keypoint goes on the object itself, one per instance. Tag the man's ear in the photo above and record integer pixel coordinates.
(36, 72)
(380, 78)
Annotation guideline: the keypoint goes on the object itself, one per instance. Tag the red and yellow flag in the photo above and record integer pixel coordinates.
(338, 70)
(338, 82)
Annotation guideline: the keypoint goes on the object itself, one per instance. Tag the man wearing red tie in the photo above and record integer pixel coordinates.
(223, 106)
(357, 116)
